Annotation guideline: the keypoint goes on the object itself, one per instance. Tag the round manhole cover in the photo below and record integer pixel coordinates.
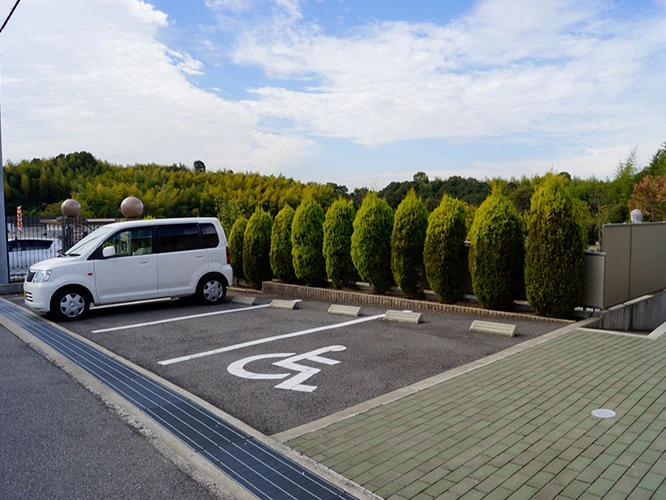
(603, 413)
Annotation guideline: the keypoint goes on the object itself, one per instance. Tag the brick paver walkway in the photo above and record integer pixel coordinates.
(520, 427)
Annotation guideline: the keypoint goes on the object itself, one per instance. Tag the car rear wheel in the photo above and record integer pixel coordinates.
(70, 304)
(212, 289)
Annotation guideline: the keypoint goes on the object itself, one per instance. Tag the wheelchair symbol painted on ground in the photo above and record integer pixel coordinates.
(290, 362)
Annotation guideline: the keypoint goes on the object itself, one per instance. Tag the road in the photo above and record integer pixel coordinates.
(61, 442)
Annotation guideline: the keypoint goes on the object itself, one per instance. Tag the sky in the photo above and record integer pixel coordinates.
(355, 92)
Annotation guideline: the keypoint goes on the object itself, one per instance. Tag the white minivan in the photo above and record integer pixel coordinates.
(133, 260)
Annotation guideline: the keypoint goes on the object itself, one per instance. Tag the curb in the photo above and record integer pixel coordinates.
(364, 299)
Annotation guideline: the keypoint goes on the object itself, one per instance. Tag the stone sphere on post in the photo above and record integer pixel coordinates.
(131, 207)
(70, 208)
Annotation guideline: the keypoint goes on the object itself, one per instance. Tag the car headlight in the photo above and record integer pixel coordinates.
(41, 276)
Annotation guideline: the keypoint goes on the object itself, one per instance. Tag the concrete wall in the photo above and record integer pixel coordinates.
(632, 264)
(642, 314)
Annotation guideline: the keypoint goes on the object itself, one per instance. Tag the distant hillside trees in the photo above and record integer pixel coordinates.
(199, 166)
(40, 186)
(649, 197)
(468, 190)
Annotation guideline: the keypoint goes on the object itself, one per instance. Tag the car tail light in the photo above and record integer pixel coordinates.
(228, 256)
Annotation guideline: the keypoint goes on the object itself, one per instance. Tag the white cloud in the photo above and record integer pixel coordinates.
(97, 79)
(98, 76)
(185, 63)
(510, 70)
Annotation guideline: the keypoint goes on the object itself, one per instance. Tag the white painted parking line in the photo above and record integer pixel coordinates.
(270, 339)
(180, 318)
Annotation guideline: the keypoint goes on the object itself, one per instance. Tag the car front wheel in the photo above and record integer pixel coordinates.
(70, 304)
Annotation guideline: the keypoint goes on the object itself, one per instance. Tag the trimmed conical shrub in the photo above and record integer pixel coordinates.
(280, 254)
(256, 248)
(407, 242)
(307, 238)
(236, 247)
(444, 249)
(338, 229)
(497, 252)
(371, 242)
(554, 261)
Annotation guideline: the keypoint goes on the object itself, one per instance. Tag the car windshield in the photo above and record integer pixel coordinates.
(91, 240)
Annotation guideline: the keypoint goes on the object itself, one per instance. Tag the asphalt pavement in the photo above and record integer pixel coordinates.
(371, 357)
(59, 441)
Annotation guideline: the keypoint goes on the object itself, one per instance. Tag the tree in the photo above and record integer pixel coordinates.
(599, 205)
(407, 241)
(497, 252)
(657, 165)
(256, 248)
(280, 253)
(649, 197)
(236, 237)
(229, 211)
(199, 166)
(520, 197)
(371, 242)
(338, 229)
(443, 250)
(554, 262)
(307, 238)
(468, 190)
(622, 186)
(358, 195)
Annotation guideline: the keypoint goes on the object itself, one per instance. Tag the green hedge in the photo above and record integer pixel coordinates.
(280, 254)
(371, 242)
(497, 252)
(307, 238)
(256, 248)
(338, 229)
(236, 247)
(554, 262)
(444, 247)
(407, 242)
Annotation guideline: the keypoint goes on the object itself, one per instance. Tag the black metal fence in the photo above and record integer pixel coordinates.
(32, 239)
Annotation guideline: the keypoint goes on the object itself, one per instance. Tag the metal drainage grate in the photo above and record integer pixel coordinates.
(257, 467)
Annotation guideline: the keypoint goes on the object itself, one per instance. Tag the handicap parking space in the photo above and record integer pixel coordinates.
(277, 368)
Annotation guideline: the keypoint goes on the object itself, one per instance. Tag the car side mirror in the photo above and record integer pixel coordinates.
(108, 252)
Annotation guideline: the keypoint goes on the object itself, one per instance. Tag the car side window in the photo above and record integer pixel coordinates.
(42, 244)
(179, 237)
(131, 242)
(24, 245)
(210, 236)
